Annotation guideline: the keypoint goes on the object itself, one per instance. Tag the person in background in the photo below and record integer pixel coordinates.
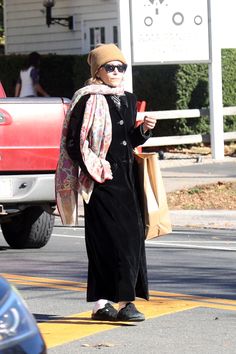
(97, 160)
(28, 82)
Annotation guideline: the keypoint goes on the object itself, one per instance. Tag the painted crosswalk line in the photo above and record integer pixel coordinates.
(76, 326)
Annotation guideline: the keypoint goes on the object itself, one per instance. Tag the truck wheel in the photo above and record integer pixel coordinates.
(31, 229)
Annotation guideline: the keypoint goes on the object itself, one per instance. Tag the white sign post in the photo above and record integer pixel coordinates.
(125, 40)
(215, 88)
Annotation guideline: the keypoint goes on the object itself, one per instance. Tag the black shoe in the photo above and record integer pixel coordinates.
(130, 313)
(107, 313)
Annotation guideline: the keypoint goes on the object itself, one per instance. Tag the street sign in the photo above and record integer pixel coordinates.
(169, 31)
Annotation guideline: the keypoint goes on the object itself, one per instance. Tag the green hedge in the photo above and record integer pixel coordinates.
(60, 75)
(156, 84)
(229, 85)
(164, 87)
(192, 92)
(183, 87)
(63, 75)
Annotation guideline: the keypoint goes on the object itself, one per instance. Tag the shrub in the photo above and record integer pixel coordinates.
(164, 87)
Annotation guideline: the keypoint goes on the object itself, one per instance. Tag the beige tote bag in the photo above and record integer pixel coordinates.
(155, 208)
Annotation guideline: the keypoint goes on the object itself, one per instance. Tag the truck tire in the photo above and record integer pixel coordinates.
(31, 229)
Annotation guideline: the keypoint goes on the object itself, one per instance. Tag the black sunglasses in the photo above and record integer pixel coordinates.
(110, 68)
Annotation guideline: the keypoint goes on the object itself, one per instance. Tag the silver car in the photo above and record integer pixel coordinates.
(19, 332)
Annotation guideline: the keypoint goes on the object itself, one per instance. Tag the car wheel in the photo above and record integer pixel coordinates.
(31, 229)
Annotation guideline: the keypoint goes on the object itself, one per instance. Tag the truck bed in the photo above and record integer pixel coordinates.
(30, 132)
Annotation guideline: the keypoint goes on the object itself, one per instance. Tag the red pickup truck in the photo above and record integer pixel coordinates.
(30, 131)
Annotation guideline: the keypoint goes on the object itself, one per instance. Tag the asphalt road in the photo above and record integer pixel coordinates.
(192, 309)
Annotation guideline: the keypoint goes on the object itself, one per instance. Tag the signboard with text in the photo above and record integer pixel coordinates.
(169, 31)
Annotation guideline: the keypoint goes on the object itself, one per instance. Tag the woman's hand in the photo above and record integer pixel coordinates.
(148, 123)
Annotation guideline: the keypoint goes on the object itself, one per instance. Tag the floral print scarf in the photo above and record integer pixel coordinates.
(95, 139)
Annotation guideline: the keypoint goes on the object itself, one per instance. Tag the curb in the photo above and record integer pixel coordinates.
(211, 219)
(215, 219)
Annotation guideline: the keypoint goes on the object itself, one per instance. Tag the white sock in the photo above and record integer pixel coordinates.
(100, 304)
(122, 304)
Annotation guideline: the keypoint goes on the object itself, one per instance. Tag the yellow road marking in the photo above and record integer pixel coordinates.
(79, 286)
(50, 286)
(45, 282)
(201, 300)
(77, 326)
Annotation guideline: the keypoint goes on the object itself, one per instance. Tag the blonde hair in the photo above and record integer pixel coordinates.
(94, 81)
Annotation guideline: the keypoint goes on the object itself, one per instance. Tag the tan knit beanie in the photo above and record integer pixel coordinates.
(102, 54)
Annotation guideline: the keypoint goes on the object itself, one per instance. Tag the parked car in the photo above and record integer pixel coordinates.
(19, 333)
(30, 132)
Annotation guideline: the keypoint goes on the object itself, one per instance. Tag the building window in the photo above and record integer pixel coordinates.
(115, 35)
(97, 35)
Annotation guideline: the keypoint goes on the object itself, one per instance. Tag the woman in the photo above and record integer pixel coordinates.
(28, 82)
(99, 135)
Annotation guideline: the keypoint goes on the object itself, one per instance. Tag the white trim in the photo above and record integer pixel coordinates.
(99, 16)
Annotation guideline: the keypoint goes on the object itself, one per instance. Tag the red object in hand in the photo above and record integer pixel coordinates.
(141, 106)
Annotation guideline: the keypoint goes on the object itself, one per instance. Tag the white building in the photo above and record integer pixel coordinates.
(95, 21)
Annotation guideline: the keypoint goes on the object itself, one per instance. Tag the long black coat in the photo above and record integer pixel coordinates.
(114, 231)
